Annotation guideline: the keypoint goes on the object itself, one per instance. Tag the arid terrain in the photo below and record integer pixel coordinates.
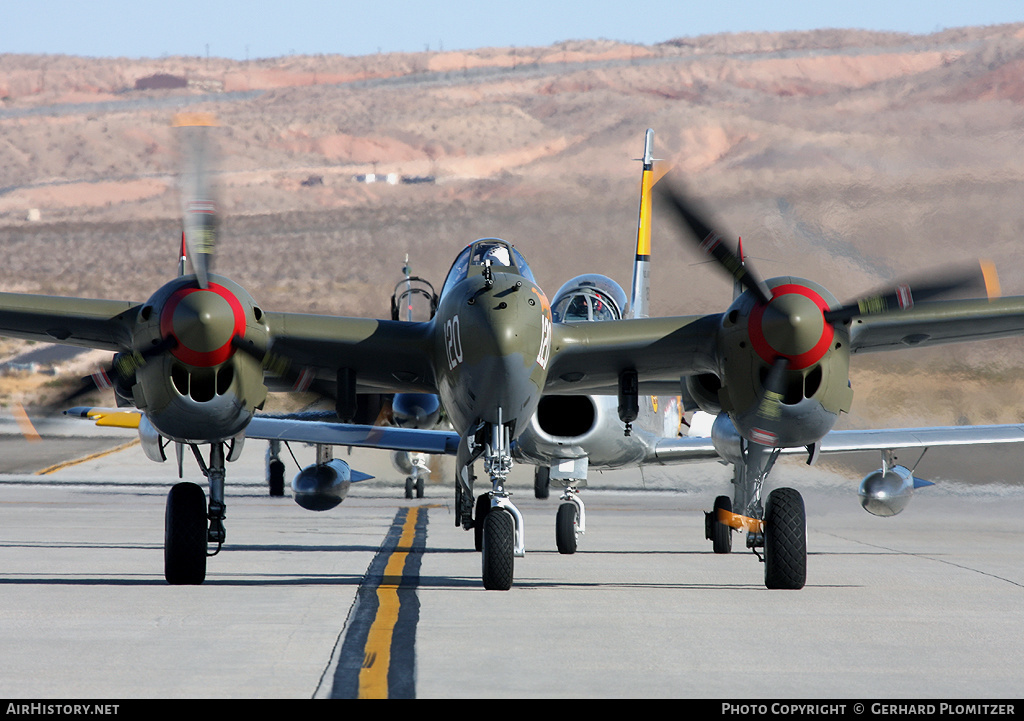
(847, 157)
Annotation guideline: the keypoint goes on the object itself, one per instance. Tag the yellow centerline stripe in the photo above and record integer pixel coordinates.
(373, 677)
(83, 459)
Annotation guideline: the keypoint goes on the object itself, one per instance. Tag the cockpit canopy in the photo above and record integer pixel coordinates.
(414, 299)
(498, 252)
(589, 297)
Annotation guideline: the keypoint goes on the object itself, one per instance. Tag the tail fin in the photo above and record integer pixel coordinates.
(640, 298)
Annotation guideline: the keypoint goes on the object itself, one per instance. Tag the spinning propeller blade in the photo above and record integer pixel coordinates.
(769, 413)
(117, 375)
(905, 295)
(198, 203)
(712, 242)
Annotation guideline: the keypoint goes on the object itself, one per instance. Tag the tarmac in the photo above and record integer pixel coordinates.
(381, 596)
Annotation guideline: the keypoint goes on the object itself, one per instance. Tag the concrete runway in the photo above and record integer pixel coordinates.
(297, 605)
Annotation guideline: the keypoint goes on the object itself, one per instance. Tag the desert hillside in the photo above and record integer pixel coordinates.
(847, 157)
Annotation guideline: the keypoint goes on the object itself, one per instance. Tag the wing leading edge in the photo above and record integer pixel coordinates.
(938, 322)
(103, 324)
(681, 450)
(588, 357)
(387, 356)
(299, 429)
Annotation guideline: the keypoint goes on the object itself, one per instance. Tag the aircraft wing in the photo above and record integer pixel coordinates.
(893, 438)
(304, 428)
(681, 450)
(103, 324)
(937, 322)
(346, 434)
(588, 357)
(387, 356)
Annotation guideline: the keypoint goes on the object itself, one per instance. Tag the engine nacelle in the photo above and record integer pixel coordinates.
(321, 487)
(416, 410)
(703, 389)
(886, 492)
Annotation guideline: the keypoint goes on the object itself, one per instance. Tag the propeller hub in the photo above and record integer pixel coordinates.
(203, 321)
(791, 326)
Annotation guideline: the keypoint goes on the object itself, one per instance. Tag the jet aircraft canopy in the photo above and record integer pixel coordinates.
(588, 298)
(498, 252)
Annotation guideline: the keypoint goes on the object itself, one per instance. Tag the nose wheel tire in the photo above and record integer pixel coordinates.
(185, 535)
(498, 550)
(567, 528)
(785, 540)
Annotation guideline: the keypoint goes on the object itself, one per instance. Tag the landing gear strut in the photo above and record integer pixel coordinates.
(503, 533)
(190, 524)
(782, 531)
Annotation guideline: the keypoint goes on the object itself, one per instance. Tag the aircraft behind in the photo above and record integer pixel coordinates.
(195, 360)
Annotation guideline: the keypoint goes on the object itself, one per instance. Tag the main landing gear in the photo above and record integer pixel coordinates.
(571, 519)
(190, 525)
(414, 483)
(778, 528)
(275, 469)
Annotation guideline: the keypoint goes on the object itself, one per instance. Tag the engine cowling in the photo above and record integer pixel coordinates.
(321, 487)
(887, 491)
(188, 377)
(813, 388)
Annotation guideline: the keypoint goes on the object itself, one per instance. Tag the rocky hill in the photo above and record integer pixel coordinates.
(848, 157)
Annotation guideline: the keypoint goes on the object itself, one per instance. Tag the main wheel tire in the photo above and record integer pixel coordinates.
(419, 487)
(408, 486)
(541, 482)
(499, 550)
(566, 527)
(483, 507)
(721, 534)
(785, 540)
(275, 477)
(185, 535)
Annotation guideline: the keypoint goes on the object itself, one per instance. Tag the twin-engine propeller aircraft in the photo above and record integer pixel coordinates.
(193, 360)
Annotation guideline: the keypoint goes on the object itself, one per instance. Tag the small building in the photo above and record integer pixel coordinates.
(161, 81)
